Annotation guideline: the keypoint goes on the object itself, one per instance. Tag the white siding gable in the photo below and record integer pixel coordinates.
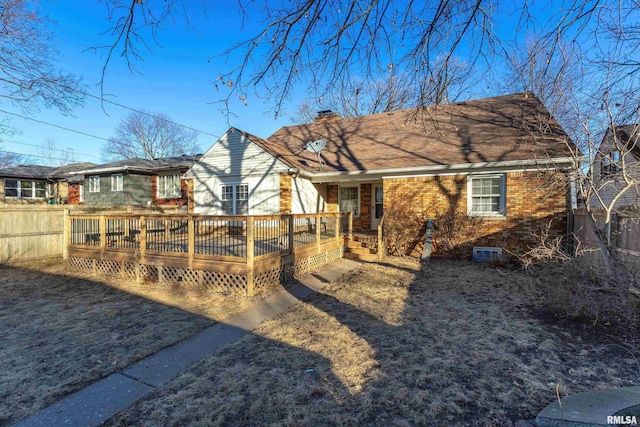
(235, 155)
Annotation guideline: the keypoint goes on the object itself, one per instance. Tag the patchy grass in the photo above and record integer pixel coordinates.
(454, 344)
(61, 331)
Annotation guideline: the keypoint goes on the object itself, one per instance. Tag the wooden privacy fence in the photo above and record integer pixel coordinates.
(625, 234)
(229, 253)
(31, 233)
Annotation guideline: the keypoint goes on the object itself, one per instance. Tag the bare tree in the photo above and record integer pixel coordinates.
(51, 154)
(29, 76)
(8, 159)
(150, 136)
(358, 98)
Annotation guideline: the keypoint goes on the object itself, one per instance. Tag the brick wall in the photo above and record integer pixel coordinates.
(184, 189)
(532, 200)
(190, 193)
(332, 198)
(285, 193)
(361, 222)
(74, 193)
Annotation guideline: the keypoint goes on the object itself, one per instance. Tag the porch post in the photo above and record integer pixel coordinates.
(250, 257)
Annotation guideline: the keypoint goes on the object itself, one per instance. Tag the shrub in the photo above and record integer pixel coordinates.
(455, 233)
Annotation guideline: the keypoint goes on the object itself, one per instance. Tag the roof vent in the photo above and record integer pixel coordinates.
(326, 116)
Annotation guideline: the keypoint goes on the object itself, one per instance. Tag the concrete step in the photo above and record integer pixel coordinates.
(361, 257)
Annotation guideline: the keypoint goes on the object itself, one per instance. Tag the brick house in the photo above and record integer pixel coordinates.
(35, 184)
(133, 182)
(502, 158)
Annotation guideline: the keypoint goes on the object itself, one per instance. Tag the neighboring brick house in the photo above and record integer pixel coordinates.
(133, 182)
(503, 158)
(35, 184)
(619, 148)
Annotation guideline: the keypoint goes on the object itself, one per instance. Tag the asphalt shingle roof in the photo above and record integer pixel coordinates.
(502, 128)
(43, 172)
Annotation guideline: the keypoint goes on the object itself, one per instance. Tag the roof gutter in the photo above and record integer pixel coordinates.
(111, 169)
(557, 161)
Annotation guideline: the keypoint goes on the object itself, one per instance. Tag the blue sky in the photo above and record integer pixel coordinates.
(177, 79)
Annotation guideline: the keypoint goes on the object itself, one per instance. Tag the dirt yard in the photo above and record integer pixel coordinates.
(62, 331)
(454, 344)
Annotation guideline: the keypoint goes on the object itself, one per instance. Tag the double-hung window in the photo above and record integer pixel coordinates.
(25, 189)
(486, 195)
(235, 199)
(610, 163)
(94, 184)
(169, 187)
(349, 199)
(116, 182)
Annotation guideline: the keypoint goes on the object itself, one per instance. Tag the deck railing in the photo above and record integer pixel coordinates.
(236, 244)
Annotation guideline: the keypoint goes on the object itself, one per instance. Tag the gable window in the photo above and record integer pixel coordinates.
(116, 182)
(235, 199)
(486, 195)
(94, 184)
(169, 187)
(610, 163)
(349, 200)
(25, 189)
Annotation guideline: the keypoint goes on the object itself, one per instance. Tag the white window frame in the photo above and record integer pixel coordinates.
(81, 193)
(610, 163)
(119, 182)
(357, 212)
(502, 212)
(234, 197)
(164, 195)
(21, 194)
(94, 183)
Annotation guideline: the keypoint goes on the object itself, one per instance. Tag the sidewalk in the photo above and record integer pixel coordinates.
(100, 401)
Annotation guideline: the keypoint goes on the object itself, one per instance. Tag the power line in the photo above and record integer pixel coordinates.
(56, 126)
(101, 99)
(47, 148)
(36, 155)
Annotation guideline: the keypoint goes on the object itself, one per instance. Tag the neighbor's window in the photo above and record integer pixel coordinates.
(25, 189)
(94, 184)
(169, 187)
(235, 199)
(81, 192)
(116, 182)
(487, 195)
(610, 163)
(349, 199)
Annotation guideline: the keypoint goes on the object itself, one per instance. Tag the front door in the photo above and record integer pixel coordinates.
(377, 200)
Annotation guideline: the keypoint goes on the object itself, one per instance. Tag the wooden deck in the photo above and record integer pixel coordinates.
(239, 253)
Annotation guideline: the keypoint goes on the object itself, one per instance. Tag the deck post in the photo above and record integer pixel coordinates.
(337, 224)
(103, 233)
(191, 243)
(318, 225)
(350, 226)
(143, 239)
(250, 257)
(290, 234)
(67, 234)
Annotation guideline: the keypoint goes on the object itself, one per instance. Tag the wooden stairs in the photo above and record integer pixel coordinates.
(362, 248)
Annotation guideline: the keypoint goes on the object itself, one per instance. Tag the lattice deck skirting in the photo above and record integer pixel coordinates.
(220, 282)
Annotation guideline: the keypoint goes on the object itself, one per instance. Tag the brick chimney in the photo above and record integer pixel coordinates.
(327, 116)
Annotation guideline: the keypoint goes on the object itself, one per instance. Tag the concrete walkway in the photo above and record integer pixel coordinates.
(100, 401)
